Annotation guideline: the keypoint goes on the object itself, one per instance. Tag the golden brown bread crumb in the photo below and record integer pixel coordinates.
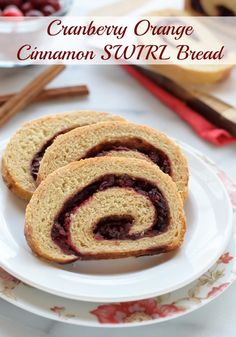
(30, 138)
(189, 73)
(59, 186)
(75, 144)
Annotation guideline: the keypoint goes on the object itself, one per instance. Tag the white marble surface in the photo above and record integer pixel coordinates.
(113, 90)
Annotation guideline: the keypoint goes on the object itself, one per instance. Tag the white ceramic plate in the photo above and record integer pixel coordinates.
(153, 310)
(209, 218)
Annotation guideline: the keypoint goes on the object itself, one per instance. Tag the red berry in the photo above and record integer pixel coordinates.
(16, 3)
(55, 4)
(34, 12)
(39, 3)
(48, 10)
(27, 6)
(3, 3)
(12, 11)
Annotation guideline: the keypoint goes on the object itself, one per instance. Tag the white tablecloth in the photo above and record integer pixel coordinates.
(113, 90)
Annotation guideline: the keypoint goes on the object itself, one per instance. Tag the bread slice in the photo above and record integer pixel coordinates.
(223, 12)
(211, 7)
(190, 73)
(119, 139)
(30, 142)
(105, 208)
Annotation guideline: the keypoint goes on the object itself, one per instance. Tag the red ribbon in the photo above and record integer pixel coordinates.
(198, 123)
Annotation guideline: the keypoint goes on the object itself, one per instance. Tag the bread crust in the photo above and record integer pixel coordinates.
(75, 144)
(12, 184)
(80, 169)
(189, 9)
(202, 74)
(227, 3)
(28, 140)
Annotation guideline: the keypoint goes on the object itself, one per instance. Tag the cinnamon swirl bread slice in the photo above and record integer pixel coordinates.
(105, 208)
(211, 7)
(188, 73)
(118, 139)
(27, 147)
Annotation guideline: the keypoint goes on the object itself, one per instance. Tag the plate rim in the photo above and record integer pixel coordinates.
(50, 315)
(194, 153)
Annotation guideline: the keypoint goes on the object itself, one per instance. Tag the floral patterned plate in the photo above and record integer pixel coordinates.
(149, 311)
(209, 217)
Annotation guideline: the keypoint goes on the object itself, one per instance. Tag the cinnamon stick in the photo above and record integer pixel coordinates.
(47, 94)
(28, 93)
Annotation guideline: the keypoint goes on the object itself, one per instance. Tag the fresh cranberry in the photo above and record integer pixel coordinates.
(55, 4)
(3, 3)
(16, 3)
(38, 4)
(34, 12)
(48, 10)
(12, 11)
(27, 6)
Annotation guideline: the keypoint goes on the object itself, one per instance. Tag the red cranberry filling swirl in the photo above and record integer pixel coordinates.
(111, 227)
(157, 156)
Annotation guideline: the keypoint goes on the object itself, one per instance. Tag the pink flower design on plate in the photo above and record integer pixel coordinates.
(233, 197)
(134, 311)
(226, 180)
(225, 258)
(217, 290)
(230, 186)
(8, 277)
(57, 310)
